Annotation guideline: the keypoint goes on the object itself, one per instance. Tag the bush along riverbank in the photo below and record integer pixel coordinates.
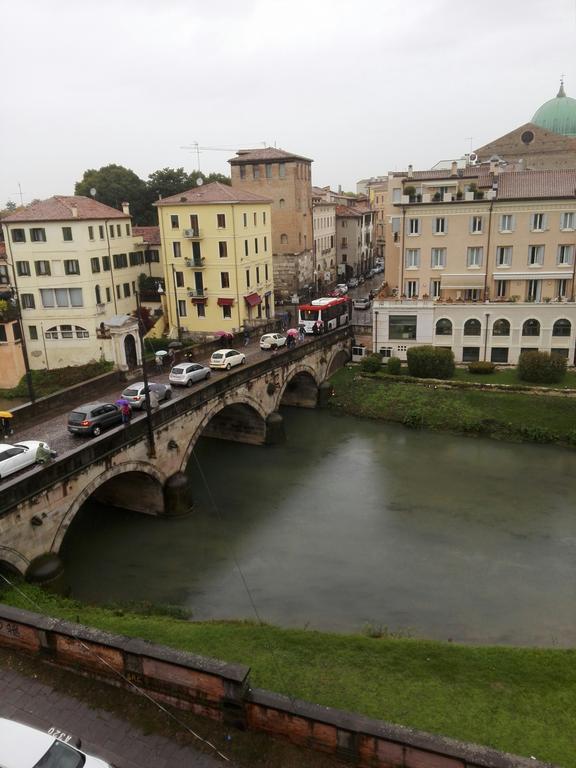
(459, 407)
(518, 700)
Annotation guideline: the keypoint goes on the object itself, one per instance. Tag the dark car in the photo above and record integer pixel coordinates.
(93, 418)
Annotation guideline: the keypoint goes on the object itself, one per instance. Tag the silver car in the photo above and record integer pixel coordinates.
(24, 747)
(227, 358)
(185, 374)
(135, 394)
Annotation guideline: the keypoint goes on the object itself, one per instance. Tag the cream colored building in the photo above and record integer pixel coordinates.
(75, 263)
(217, 259)
(324, 229)
(481, 244)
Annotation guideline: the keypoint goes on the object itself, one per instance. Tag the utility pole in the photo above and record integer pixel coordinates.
(151, 443)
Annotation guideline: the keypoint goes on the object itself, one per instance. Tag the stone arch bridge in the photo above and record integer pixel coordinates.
(119, 467)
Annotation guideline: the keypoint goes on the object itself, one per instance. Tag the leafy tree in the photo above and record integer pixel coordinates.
(10, 206)
(114, 185)
(217, 177)
(168, 181)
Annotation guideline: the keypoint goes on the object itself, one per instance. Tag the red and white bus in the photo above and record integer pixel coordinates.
(329, 313)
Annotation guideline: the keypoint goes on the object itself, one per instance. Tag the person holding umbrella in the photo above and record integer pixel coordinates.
(5, 427)
(125, 410)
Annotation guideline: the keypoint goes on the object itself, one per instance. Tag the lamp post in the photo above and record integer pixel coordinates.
(376, 331)
(151, 443)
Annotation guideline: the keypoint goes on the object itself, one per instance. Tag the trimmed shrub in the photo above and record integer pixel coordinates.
(428, 362)
(481, 366)
(394, 366)
(541, 367)
(371, 364)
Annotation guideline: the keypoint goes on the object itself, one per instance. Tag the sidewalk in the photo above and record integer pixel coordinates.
(128, 730)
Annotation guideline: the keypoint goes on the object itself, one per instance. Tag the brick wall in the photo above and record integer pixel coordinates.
(222, 692)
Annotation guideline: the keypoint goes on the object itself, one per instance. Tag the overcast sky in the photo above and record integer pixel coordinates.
(361, 88)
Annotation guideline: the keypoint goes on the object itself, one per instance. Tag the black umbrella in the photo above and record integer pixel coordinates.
(175, 345)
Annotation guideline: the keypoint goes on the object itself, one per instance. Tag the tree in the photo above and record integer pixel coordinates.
(217, 177)
(168, 181)
(10, 206)
(115, 185)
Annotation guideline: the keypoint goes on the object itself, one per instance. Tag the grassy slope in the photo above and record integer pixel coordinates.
(514, 699)
(502, 414)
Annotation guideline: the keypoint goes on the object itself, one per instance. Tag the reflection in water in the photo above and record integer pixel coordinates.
(354, 522)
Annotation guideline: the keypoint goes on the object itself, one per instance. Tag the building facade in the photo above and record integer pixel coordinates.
(324, 228)
(285, 179)
(217, 259)
(74, 264)
(354, 233)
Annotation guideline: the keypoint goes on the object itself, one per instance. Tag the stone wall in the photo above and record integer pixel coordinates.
(222, 692)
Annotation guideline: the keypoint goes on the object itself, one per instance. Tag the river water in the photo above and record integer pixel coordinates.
(355, 524)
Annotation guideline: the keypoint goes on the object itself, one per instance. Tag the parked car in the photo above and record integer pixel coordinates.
(361, 279)
(15, 457)
(185, 374)
(136, 393)
(24, 747)
(363, 303)
(272, 341)
(343, 288)
(227, 358)
(353, 282)
(93, 418)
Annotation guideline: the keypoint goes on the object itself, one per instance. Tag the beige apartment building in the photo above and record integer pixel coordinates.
(354, 234)
(324, 229)
(74, 264)
(285, 179)
(217, 259)
(487, 251)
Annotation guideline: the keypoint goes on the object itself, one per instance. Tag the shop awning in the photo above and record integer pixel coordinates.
(225, 302)
(462, 281)
(200, 300)
(252, 299)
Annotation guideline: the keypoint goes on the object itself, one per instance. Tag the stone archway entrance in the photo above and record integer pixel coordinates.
(130, 351)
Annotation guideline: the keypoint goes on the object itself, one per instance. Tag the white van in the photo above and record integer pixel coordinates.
(363, 303)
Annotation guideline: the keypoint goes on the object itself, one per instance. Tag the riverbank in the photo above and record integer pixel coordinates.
(512, 415)
(513, 699)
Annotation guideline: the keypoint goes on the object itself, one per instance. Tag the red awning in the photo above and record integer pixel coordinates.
(252, 299)
(225, 302)
(200, 300)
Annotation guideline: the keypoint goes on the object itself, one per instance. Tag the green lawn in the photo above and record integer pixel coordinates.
(509, 376)
(514, 699)
(505, 415)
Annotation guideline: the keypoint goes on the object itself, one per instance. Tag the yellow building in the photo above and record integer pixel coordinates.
(217, 259)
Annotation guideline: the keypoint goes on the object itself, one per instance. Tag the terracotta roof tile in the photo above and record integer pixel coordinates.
(59, 208)
(267, 153)
(213, 193)
(482, 173)
(351, 211)
(150, 235)
(534, 184)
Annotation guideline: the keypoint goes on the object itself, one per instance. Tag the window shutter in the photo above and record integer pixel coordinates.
(545, 221)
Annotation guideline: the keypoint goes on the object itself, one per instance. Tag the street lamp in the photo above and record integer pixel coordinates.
(151, 443)
(376, 331)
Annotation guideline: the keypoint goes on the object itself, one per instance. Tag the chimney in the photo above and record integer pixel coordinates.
(410, 171)
(74, 209)
(454, 168)
(126, 209)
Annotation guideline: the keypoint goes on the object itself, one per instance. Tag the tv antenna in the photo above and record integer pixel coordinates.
(195, 147)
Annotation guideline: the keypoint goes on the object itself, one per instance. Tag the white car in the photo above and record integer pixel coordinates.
(353, 282)
(362, 303)
(342, 287)
(272, 341)
(185, 374)
(15, 457)
(24, 747)
(227, 358)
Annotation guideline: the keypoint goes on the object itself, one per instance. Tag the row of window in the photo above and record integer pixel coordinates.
(501, 289)
(273, 170)
(43, 268)
(404, 327)
(51, 298)
(477, 223)
(226, 310)
(222, 248)
(497, 354)
(179, 278)
(504, 255)
(501, 327)
(220, 221)
(38, 234)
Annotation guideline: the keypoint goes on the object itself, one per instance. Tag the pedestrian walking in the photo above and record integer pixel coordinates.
(126, 414)
(301, 333)
(158, 361)
(246, 337)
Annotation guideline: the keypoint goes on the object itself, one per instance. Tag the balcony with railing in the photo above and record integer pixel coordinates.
(197, 293)
(193, 233)
(194, 262)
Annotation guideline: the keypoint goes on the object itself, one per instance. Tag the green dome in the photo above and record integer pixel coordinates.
(558, 115)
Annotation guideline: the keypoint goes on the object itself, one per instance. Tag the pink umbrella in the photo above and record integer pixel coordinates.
(224, 335)
(292, 332)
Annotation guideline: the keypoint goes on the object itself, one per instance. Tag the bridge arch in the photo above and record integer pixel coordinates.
(240, 419)
(12, 561)
(338, 360)
(116, 486)
(300, 388)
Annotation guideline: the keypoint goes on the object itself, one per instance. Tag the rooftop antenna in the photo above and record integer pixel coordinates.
(19, 193)
(470, 139)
